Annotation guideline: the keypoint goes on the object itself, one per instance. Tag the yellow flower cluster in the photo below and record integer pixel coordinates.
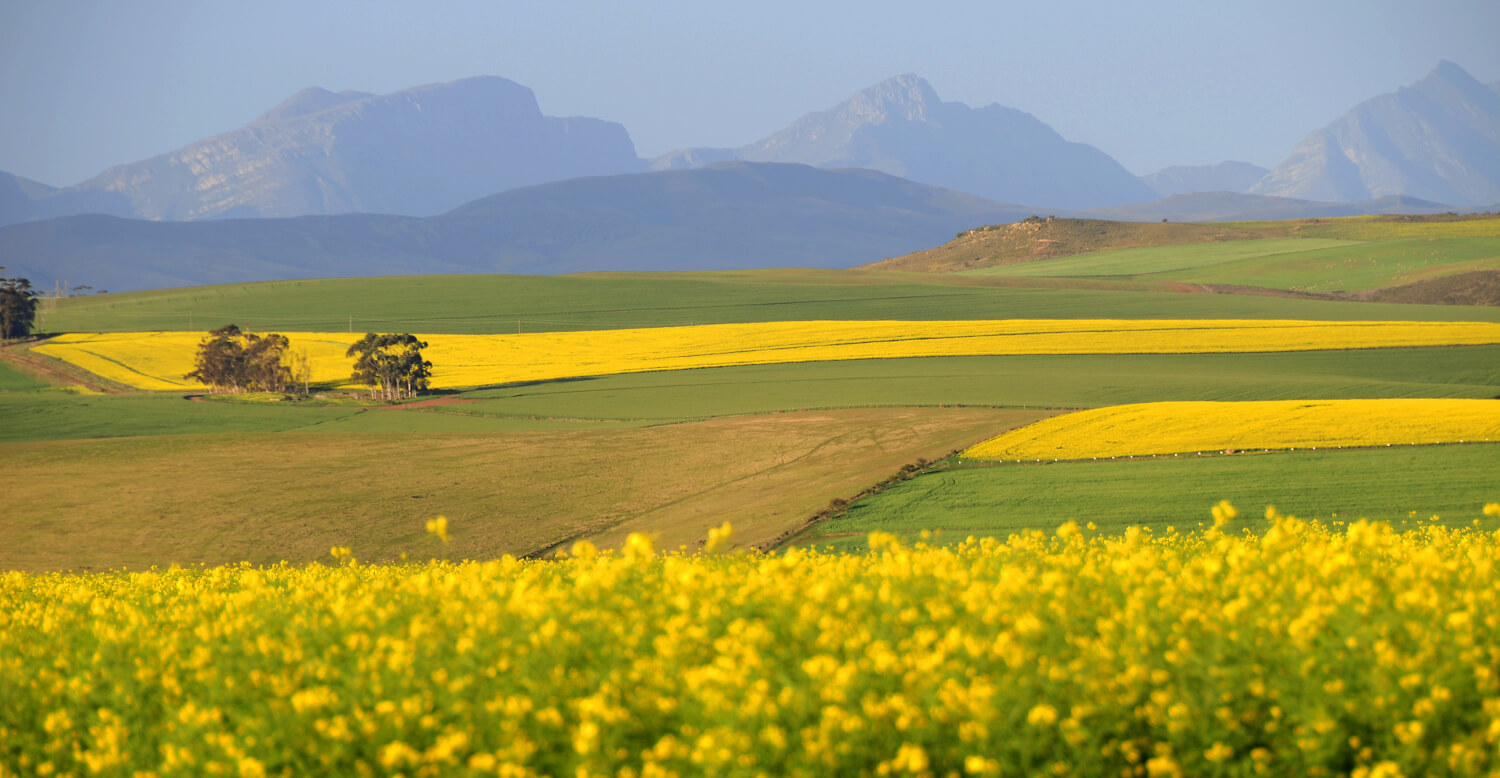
(1293, 649)
(1178, 427)
(158, 360)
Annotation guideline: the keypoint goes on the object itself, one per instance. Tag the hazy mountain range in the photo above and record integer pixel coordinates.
(476, 179)
(725, 216)
(426, 150)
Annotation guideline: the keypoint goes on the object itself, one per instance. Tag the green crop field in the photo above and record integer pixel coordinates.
(1453, 482)
(1354, 267)
(13, 381)
(1302, 264)
(1162, 259)
(1370, 228)
(502, 304)
(1026, 381)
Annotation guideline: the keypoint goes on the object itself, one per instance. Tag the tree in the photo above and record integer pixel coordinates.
(17, 307)
(301, 372)
(390, 364)
(233, 361)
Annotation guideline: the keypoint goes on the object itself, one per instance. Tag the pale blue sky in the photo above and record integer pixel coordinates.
(86, 84)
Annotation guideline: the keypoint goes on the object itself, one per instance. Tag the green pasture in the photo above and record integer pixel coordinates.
(1053, 381)
(1301, 264)
(1453, 482)
(503, 304)
(61, 415)
(1353, 267)
(1376, 227)
(12, 380)
(1144, 261)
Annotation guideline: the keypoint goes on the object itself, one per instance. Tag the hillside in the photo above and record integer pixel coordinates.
(1036, 239)
(1441, 259)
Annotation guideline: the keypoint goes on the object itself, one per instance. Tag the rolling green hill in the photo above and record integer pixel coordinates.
(1346, 257)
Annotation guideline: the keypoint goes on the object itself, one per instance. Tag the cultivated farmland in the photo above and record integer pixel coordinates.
(1176, 427)
(1109, 615)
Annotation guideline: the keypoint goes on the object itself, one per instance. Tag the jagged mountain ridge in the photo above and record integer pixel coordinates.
(901, 127)
(1438, 140)
(419, 151)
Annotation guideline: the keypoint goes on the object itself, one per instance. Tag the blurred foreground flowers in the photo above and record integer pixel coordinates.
(1297, 648)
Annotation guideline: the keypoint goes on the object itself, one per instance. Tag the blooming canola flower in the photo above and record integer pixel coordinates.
(159, 360)
(1275, 646)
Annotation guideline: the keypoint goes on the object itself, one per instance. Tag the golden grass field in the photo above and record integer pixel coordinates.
(1178, 427)
(116, 502)
(159, 360)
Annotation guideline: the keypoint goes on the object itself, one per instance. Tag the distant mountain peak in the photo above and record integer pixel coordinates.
(906, 96)
(901, 127)
(1437, 139)
(311, 100)
(1448, 69)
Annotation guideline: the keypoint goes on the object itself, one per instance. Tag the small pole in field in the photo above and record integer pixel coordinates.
(351, 324)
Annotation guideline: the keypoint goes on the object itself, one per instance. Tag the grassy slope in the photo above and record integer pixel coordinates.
(495, 303)
(1130, 263)
(1453, 482)
(1321, 255)
(1033, 240)
(1355, 267)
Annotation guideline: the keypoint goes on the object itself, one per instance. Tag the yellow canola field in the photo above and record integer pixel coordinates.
(1294, 649)
(158, 360)
(1178, 427)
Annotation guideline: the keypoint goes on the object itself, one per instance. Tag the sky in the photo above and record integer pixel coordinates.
(86, 84)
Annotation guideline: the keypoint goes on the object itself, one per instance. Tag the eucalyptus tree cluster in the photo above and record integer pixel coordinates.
(233, 361)
(391, 365)
(17, 307)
